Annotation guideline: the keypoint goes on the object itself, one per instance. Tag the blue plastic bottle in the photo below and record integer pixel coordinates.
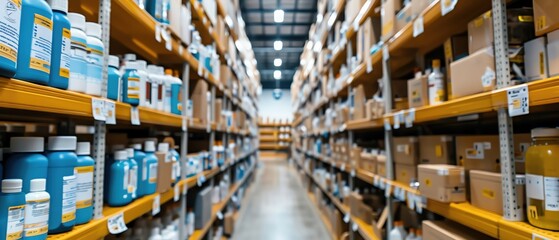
(133, 176)
(12, 209)
(131, 84)
(118, 184)
(78, 58)
(151, 167)
(9, 26)
(26, 161)
(140, 158)
(156, 9)
(176, 163)
(35, 35)
(61, 41)
(61, 183)
(84, 183)
(176, 96)
(114, 78)
(95, 49)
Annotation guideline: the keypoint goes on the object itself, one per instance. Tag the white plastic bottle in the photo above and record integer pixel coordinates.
(436, 84)
(155, 81)
(418, 234)
(78, 56)
(95, 49)
(36, 210)
(155, 235)
(142, 71)
(411, 234)
(169, 81)
(398, 232)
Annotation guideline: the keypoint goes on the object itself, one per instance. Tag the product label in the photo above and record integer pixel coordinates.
(66, 53)
(78, 64)
(95, 54)
(84, 187)
(534, 186)
(153, 172)
(133, 182)
(144, 170)
(41, 44)
(9, 28)
(133, 88)
(68, 198)
(94, 78)
(126, 179)
(436, 90)
(36, 217)
(14, 229)
(551, 188)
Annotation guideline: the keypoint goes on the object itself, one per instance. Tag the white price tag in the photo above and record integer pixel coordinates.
(135, 116)
(98, 109)
(352, 172)
(381, 184)
(177, 193)
(181, 49)
(156, 205)
(536, 236)
(356, 26)
(369, 62)
(157, 32)
(447, 6)
(167, 38)
(387, 126)
(410, 118)
(388, 190)
(418, 26)
(219, 215)
(385, 53)
(354, 227)
(346, 218)
(184, 124)
(411, 200)
(376, 181)
(110, 112)
(184, 189)
(116, 224)
(343, 167)
(518, 100)
(397, 121)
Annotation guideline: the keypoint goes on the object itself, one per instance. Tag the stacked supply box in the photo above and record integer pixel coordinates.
(443, 183)
(406, 157)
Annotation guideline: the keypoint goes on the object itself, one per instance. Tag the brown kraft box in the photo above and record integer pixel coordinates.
(436, 149)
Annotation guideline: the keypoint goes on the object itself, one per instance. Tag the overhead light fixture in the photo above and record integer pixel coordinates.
(277, 74)
(278, 45)
(278, 16)
(277, 62)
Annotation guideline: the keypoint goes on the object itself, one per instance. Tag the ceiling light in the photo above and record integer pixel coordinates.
(278, 16)
(277, 74)
(278, 45)
(277, 62)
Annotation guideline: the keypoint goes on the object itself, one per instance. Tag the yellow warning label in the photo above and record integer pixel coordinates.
(8, 52)
(39, 64)
(43, 21)
(68, 217)
(14, 236)
(66, 33)
(85, 169)
(83, 204)
(488, 193)
(428, 182)
(36, 231)
(438, 150)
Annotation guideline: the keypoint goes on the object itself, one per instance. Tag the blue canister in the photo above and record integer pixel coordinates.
(117, 195)
(142, 181)
(26, 161)
(61, 43)
(84, 183)
(9, 26)
(12, 209)
(133, 176)
(113, 78)
(131, 84)
(151, 167)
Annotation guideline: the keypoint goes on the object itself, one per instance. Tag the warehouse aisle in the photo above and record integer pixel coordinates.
(278, 207)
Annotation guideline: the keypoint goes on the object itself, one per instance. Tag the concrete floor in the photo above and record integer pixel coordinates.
(278, 208)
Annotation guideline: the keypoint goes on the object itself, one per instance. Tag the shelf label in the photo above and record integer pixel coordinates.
(387, 126)
(219, 215)
(418, 26)
(167, 38)
(157, 32)
(411, 201)
(354, 227)
(98, 109)
(346, 218)
(447, 6)
(388, 189)
(385, 53)
(376, 181)
(536, 236)
(398, 118)
(419, 203)
(134, 116)
(518, 100)
(184, 189)
(352, 173)
(342, 167)
(110, 113)
(369, 63)
(116, 224)
(177, 193)
(156, 205)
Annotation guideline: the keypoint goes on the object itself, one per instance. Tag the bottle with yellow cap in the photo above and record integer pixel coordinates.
(436, 84)
(542, 179)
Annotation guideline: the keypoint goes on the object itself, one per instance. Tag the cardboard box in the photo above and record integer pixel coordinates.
(480, 32)
(546, 18)
(404, 17)
(217, 112)
(418, 92)
(359, 100)
(443, 183)
(480, 152)
(366, 38)
(360, 209)
(228, 223)
(553, 53)
(202, 208)
(418, 6)
(405, 173)
(164, 171)
(186, 19)
(381, 165)
(473, 74)
(355, 157)
(368, 162)
(175, 23)
(388, 11)
(535, 59)
(436, 149)
(446, 230)
(455, 47)
(352, 8)
(406, 150)
(200, 101)
(486, 191)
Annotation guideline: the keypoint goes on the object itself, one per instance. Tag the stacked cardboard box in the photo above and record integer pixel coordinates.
(406, 157)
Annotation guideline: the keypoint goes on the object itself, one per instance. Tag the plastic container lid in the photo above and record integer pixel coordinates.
(77, 20)
(11, 185)
(38, 185)
(149, 146)
(93, 29)
(152, 69)
(545, 132)
(84, 148)
(114, 61)
(131, 65)
(136, 146)
(62, 143)
(59, 5)
(27, 144)
(163, 147)
(129, 57)
(130, 152)
(121, 155)
(141, 65)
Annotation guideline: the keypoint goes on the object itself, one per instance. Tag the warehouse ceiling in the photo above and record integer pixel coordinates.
(262, 30)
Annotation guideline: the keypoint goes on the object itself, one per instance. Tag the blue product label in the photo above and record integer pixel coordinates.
(94, 75)
(78, 70)
(95, 54)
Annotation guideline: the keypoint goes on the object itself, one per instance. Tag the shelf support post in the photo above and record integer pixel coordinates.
(184, 143)
(387, 96)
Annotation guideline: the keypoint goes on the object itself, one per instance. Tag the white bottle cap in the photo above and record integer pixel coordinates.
(11, 185)
(152, 69)
(93, 29)
(114, 61)
(38, 185)
(163, 147)
(77, 20)
(59, 5)
(129, 57)
(61, 143)
(155, 231)
(84, 148)
(149, 146)
(130, 65)
(136, 146)
(130, 152)
(27, 144)
(121, 155)
(141, 64)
